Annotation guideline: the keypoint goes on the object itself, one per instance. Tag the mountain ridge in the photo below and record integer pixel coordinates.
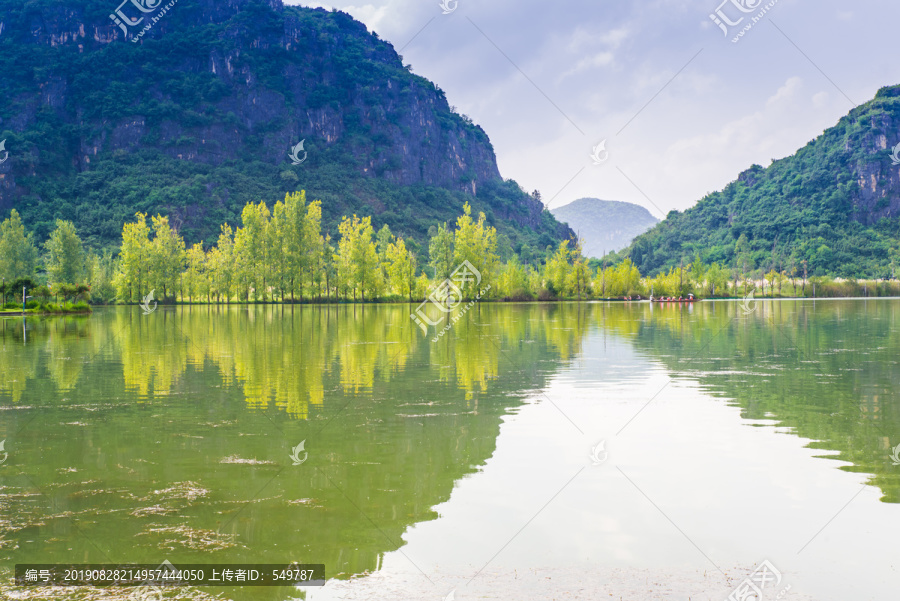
(831, 208)
(197, 117)
(604, 225)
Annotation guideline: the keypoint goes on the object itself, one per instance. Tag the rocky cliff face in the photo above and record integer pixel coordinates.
(877, 175)
(223, 83)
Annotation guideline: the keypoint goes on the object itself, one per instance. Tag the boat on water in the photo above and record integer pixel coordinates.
(666, 299)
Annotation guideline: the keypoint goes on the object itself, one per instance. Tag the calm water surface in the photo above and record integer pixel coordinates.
(728, 438)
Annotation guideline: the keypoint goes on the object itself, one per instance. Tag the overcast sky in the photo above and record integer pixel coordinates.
(683, 108)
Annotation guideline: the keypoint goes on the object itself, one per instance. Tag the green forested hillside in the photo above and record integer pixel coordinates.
(197, 118)
(834, 204)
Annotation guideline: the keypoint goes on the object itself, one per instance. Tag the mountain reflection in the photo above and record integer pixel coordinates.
(167, 435)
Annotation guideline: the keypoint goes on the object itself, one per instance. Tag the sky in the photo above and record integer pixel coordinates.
(674, 107)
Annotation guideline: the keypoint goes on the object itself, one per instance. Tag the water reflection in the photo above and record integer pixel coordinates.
(168, 435)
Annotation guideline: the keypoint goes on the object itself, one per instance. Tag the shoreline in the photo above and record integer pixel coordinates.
(508, 302)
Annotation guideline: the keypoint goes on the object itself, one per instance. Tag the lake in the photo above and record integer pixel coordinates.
(532, 449)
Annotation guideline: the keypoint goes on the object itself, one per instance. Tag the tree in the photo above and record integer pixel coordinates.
(625, 279)
(513, 280)
(358, 257)
(475, 242)
(251, 243)
(196, 281)
(743, 260)
(698, 272)
(716, 280)
(65, 258)
(277, 253)
(287, 222)
(18, 254)
(101, 273)
(221, 264)
(132, 281)
(556, 270)
(330, 271)
(167, 258)
(440, 253)
(401, 269)
(772, 276)
(383, 239)
(315, 247)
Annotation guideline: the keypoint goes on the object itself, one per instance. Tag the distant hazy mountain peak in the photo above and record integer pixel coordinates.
(605, 225)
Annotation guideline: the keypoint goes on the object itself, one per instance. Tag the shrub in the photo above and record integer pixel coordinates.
(519, 295)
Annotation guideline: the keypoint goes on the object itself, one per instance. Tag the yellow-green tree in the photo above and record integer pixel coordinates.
(578, 281)
(277, 255)
(287, 227)
(167, 257)
(133, 280)
(476, 242)
(357, 257)
(440, 253)
(315, 247)
(557, 268)
(101, 274)
(716, 281)
(623, 280)
(196, 282)
(401, 269)
(18, 254)
(220, 264)
(65, 258)
(513, 280)
(297, 248)
(251, 251)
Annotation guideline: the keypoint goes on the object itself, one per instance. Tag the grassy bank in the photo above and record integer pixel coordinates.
(34, 307)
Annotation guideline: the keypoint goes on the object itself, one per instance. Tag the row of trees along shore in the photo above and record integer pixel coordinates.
(281, 255)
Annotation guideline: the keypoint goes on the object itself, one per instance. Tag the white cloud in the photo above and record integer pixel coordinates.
(600, 63)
